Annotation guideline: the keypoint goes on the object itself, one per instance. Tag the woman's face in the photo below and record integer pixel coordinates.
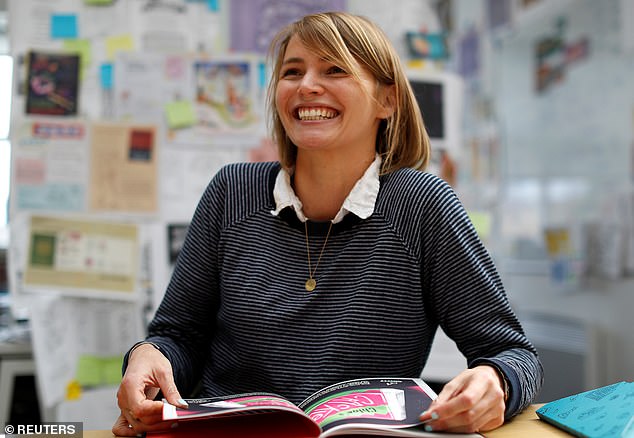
(324, 107)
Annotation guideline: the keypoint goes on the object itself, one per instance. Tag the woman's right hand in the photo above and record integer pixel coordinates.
(148, 372)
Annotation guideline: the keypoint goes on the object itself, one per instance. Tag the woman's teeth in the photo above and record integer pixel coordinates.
(315, 114)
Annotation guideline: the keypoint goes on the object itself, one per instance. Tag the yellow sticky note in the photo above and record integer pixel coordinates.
(73, 390)
(118, 43)
(416, 63)
(180, 114)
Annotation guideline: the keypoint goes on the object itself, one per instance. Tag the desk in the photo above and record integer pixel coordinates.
(525, 425)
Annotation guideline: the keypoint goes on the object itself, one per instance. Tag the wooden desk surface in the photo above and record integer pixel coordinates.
(525, 425)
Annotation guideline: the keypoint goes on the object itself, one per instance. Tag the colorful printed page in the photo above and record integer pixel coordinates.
(371, 403)
(602, 412)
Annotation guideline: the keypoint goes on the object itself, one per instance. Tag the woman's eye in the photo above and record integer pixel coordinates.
(290, 72)
(336, 70)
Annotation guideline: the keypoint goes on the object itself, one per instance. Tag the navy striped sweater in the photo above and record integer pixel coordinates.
(236, 316)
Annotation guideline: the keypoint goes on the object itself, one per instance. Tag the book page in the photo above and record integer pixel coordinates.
(227, 405)
(392, 403)
(245, 415)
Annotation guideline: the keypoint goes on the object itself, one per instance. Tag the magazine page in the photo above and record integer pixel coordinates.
(228, 405)
(378, 403)
(261, 415)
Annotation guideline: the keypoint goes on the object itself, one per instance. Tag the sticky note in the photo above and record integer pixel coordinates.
(98, 2)
(81, 47)
(180, 114)
(63, 26)
(118, 43)
(73, 390)
(111, 370)
(262, 78)
(106, 75)
(482, 222)
(88, 371)
(213, 5)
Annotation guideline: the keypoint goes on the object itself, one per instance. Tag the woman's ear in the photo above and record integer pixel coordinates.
(387, 101)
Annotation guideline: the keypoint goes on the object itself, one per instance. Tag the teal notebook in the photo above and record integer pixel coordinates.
(603, 412)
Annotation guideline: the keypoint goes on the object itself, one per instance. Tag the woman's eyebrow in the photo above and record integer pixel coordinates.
(293, 60)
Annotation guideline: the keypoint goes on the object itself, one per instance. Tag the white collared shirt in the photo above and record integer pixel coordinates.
(360, 201)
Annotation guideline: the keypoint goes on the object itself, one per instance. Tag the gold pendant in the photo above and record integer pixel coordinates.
(311, 284)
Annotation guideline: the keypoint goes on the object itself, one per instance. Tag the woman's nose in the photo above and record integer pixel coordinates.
(310, 84)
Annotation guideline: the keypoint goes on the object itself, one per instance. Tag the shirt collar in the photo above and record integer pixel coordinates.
(360, 201)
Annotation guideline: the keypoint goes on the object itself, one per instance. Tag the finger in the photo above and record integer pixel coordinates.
(170, 391)
(459, 412)
(449, 391)
(147, 413)
(470, 411)
(122, 427)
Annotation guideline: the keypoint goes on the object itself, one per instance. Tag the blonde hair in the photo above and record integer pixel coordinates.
(349, 41)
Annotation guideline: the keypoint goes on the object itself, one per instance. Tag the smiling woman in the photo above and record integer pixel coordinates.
(293, 274)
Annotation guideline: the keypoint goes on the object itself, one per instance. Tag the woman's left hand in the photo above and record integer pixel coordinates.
(473, 401)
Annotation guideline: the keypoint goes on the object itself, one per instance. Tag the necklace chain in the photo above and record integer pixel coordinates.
(311, 283)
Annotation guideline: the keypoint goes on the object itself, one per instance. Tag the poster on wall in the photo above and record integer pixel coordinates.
(146, 82)
(52, 83)
(225, 94)
(254, 22)
(49, 165)
(82, 257)
(124, 168)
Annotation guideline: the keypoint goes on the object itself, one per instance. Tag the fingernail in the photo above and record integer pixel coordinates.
(434, 416)
(428, 428)
(182, 402)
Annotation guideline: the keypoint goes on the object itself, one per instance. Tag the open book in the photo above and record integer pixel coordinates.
(375, 406)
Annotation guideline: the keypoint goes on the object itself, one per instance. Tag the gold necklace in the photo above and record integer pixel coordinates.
(311, 284)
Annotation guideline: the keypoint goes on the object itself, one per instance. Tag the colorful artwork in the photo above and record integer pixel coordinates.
(225, 94)
(52, 84)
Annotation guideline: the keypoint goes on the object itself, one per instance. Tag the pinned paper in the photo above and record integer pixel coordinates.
(63, 26)
(118, 43)
(98, 371)
(111, 370)
(83, 49)
(482, 223)
(88, 371)
(213, 5)
(73, 390)
(180, 114)
(106, 76)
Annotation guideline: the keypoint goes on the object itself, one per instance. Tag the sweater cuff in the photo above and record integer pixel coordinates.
(138, 344)
(510, 377)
